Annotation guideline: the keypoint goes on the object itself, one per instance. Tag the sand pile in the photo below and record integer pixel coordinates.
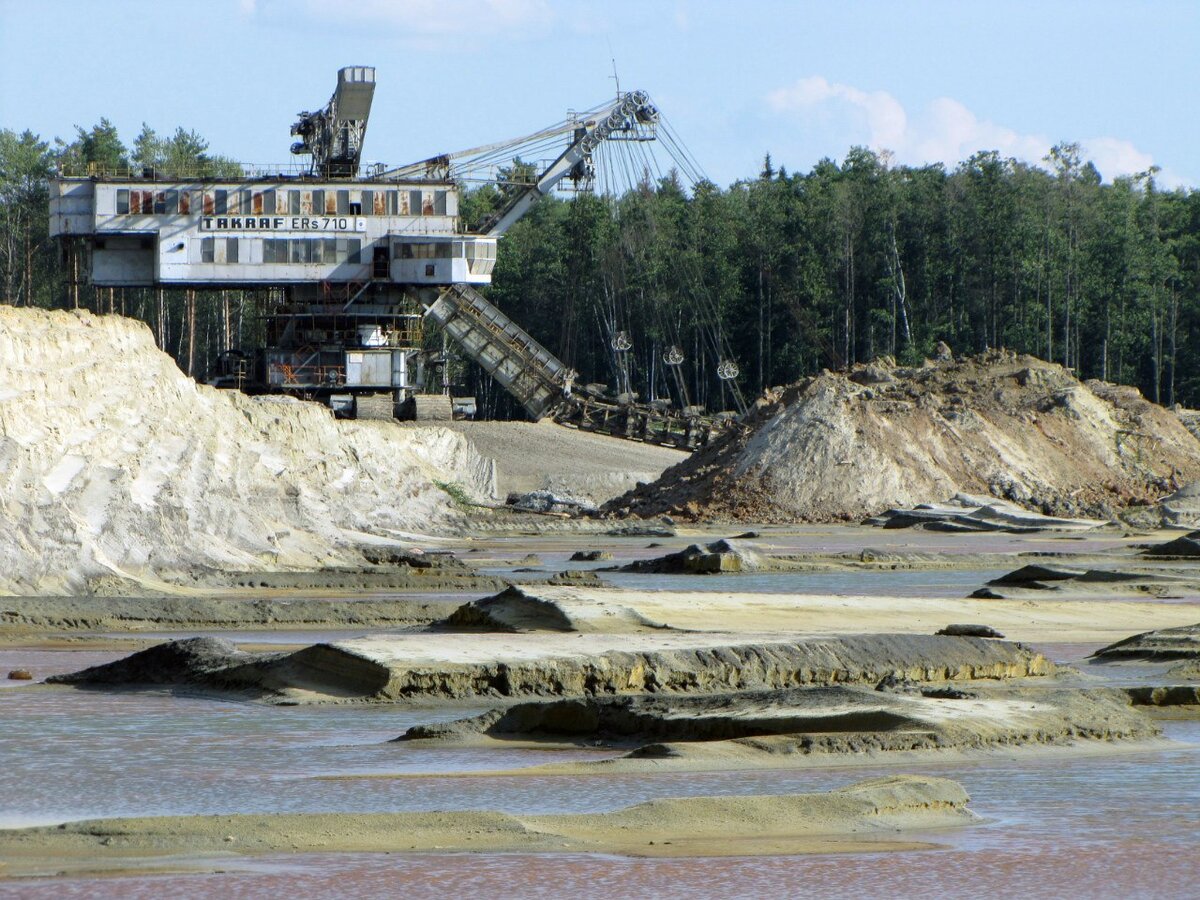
(846, 446)
(113, 464)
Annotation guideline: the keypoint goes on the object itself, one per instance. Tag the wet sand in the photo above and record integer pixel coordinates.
(693, 826)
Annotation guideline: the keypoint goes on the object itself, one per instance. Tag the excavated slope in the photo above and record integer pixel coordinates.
(839, 447)
(115, 464)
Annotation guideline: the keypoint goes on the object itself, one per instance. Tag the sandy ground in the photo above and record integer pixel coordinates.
(709, 826)
(546, 456)
(1074, 621)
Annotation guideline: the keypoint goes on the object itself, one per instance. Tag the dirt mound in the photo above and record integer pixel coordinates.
(831, 448)
(719, 557)
(114, 465)
(515, 610)
(216, 665)
(192, 661)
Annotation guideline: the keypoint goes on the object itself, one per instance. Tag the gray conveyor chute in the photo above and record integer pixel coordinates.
(536, 377)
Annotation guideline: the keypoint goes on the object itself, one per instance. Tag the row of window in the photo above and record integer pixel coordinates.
(312, 250)
(284, 250)
(243, 201)
(480, 255)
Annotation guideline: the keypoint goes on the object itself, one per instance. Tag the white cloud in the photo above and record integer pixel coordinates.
(1116, 156)
(944, 131)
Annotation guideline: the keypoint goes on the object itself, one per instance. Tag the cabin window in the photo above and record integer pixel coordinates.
(275, 250)
(354, 250)
(222, 202)
(160, 203)
(318, 202)
(431, 250)
(439, 203)
(207, 249)
(356, 203)
(481, 257)
(269, 205)
(343, 203)
(231, 250)
(293, 204)
(123, 201)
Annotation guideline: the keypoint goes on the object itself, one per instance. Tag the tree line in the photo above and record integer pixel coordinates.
(34, 271)
(707, 295)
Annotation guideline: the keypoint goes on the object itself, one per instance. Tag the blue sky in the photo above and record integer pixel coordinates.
(929, 81)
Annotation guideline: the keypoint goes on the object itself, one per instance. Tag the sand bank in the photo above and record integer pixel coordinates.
(869, 812)
(441, 667)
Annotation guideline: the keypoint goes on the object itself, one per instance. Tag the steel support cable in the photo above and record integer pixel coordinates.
(642, 232)
(714, 333)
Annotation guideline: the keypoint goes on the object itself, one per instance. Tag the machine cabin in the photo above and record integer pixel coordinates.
(258, 233)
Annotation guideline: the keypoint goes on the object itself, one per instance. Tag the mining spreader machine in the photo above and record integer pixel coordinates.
(359, 263)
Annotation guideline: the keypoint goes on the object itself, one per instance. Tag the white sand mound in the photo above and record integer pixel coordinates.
(845, 446)
(113, 463)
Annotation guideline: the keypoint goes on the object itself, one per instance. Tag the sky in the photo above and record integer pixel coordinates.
(804, 80)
